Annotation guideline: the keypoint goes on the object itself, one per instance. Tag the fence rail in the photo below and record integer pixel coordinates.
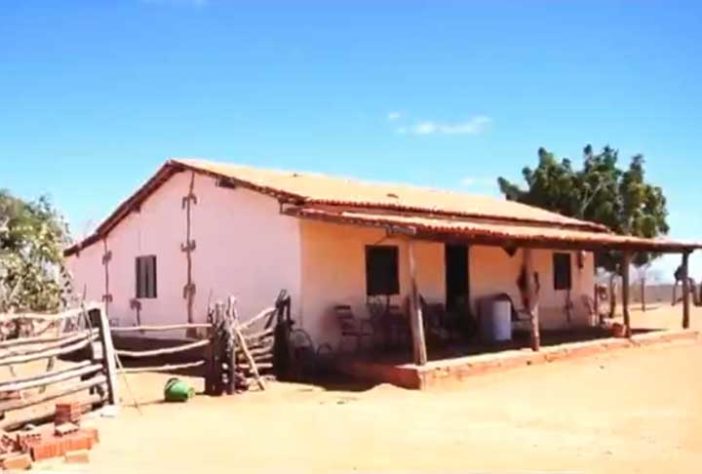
(93, 370)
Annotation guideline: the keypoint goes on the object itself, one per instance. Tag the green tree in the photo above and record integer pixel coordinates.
(32, 271)
(600, 191)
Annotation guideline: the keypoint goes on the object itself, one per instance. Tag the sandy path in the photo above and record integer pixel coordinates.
(638, 410)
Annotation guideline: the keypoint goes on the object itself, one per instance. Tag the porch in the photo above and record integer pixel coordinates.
(514, 254)
(444, 368)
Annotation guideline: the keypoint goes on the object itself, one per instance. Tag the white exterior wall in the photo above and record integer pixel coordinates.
(493, 271)
(244, 247)
(333, 272)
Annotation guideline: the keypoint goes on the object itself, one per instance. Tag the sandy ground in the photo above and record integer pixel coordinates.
(636, 410)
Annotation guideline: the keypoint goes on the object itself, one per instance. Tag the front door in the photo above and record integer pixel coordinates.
(457, 277)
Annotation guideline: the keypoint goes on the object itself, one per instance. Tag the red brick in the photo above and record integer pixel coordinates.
(65, 429)
(46, 449)
(25, 439)
(81, 456)
(77, 441)
(17, 462)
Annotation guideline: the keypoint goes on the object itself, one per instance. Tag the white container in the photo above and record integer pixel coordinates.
(501, 320)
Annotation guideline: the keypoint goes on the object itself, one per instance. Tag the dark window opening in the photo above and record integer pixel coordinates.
(146, 276)
(562, 271)
(382, 276)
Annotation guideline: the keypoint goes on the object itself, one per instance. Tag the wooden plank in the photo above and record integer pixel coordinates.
(242, 343)
(23, 341)
(261, 334)
(59, 342)
(83, 368)
(419, 346)
(532, 300)
(48, 396)
(165, 350)
(168, 327)
(109, 358)
(163, 368)
(686, 290)
(266, 312)
(249, 358)
(45, 354)
(626, 263)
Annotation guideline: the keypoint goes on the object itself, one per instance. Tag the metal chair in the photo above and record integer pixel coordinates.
(351, 326)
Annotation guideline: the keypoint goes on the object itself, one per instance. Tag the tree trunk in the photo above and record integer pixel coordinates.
(612, 295)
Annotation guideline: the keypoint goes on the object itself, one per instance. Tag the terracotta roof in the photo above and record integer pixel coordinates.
(322, 189)
(315, 189)
(495, 234)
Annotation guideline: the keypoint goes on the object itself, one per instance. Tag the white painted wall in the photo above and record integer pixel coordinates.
(333, 272)
(493, 271)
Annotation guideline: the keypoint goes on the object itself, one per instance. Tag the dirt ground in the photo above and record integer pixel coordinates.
(636, 410)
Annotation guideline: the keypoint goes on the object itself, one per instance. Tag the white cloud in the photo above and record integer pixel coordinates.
(392, 116)
(473, 126)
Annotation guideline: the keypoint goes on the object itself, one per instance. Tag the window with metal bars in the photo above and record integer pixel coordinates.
(146, 276)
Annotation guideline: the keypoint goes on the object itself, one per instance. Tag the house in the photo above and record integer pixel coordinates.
(198, 231)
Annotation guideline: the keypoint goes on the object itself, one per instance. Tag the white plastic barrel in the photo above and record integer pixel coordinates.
(501, 319)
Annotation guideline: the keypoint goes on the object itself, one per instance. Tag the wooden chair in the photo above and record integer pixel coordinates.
(352, 327)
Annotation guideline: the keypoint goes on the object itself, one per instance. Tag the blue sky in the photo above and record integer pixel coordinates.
(95, 95)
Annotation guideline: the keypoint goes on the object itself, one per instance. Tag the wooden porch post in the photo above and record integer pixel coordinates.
(532, 299)
(686, 290)
(626, 263)
(419, 347)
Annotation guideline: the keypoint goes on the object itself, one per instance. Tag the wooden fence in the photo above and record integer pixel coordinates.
(80, 334)
(231, 356)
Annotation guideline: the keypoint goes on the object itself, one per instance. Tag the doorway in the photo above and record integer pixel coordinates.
(456, 263)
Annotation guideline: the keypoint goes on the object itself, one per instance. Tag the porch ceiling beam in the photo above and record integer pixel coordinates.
(403, 230)
(546, 244)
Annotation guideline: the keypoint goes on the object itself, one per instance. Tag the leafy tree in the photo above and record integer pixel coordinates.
(600, 191)
(32, 271)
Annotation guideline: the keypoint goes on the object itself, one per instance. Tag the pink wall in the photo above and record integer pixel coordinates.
(492, 271)
(333, 272)
(244, 248)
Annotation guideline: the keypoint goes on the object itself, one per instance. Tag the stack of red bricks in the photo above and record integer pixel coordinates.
(67, 439)
(68, 413)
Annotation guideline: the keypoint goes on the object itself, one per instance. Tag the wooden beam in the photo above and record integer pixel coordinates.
(109, 357)
(626, 263)
(166, 350)
(165, 327)
(686, 290)
(532, 299)
(419, 346)
(83, 368)
(163, 368)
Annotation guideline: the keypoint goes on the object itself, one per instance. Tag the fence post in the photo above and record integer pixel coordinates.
(108, 355)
